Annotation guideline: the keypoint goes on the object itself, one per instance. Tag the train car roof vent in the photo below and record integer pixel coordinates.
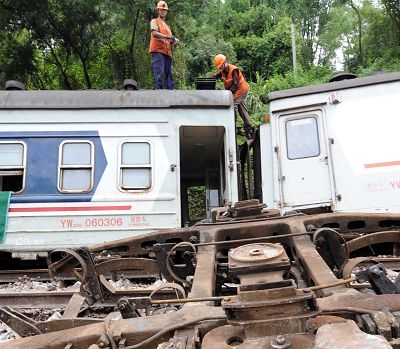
(342, 76)
(130, 85)
(14, 85)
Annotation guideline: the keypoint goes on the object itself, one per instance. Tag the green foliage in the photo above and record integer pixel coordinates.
(366, 34)
(72, 44)
(17, 56)
(197, 203)
(393, 10)
(201, 53)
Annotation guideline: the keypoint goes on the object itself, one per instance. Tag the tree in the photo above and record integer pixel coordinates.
(393, 9)
(62, 30)
(17, 55)
(75, 44)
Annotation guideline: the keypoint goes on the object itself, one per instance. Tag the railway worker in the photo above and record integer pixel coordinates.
(161, 42)
(234, 81)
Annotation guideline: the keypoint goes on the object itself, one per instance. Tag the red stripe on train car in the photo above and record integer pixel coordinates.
(382, 164)
(64, 209)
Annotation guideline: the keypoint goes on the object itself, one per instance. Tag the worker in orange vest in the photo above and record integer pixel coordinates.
(235, 82)
(161, 41)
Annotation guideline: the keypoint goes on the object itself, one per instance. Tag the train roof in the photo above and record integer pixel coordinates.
(337, 85)
(114, 99)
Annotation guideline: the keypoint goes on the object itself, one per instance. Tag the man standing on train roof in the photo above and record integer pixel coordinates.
(161, 41)
(234, 81)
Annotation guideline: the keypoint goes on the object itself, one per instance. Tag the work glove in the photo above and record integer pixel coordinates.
(174, 39)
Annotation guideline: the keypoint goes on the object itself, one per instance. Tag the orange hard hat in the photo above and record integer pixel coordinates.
(162, 5)
(219, 60)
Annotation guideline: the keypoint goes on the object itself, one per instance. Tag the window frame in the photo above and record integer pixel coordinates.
(121, 167)
(310, 116)
(62, 167)
(17, 168)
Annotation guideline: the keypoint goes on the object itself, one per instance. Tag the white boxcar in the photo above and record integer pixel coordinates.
(91, 166)
(335, 145)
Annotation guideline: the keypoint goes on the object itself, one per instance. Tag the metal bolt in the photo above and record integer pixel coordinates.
(280, 342)
(280, 339)
(101, 345)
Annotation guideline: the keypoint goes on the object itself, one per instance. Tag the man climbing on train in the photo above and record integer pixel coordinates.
(234, 81)
(161, 42)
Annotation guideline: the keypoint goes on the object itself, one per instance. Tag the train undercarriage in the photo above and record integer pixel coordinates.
(251, 279)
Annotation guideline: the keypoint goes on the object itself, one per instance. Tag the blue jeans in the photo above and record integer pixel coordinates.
(162, 69)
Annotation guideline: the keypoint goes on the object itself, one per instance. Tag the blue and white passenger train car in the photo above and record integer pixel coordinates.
(91, 166)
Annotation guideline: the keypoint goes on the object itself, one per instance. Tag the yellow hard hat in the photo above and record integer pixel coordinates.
(162, 5)
(219, 60)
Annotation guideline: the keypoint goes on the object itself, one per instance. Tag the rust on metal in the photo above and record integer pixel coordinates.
(250, 280)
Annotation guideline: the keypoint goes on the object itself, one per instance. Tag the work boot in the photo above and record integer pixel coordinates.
(249, 129)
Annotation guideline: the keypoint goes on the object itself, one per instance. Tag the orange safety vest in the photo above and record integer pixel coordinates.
(227, 78)
(161, 45)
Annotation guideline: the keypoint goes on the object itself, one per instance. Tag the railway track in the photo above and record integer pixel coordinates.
(9, 276)
(59, 299)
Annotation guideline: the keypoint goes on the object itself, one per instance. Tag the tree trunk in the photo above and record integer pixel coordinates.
(132, 64)
(359, 20)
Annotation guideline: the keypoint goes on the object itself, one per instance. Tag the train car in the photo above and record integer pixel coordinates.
(87, 167)
(334, 147)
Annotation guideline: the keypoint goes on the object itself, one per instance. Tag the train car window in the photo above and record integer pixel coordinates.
(75, 167)
(135, 166)
(12, 166)
(302, 138)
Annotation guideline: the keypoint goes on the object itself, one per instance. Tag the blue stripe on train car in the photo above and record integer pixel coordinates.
(42, 162)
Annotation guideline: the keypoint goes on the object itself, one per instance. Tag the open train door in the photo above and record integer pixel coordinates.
(203, 171)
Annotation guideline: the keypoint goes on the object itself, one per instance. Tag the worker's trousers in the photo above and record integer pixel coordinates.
(241, 109)
(162, 70)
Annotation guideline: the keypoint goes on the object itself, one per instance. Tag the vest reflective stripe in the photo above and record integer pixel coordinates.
(227, 78)
(161, 45)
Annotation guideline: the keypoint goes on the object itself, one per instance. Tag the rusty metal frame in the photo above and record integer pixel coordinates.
(203, 314)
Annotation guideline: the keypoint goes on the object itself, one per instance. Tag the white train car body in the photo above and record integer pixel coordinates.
(92, 166)
(334, 145)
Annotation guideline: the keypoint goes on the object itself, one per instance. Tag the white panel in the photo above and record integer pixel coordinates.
(134, 178)
(11, 154)
(76, 180)
(136, 154)
(76, 154)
